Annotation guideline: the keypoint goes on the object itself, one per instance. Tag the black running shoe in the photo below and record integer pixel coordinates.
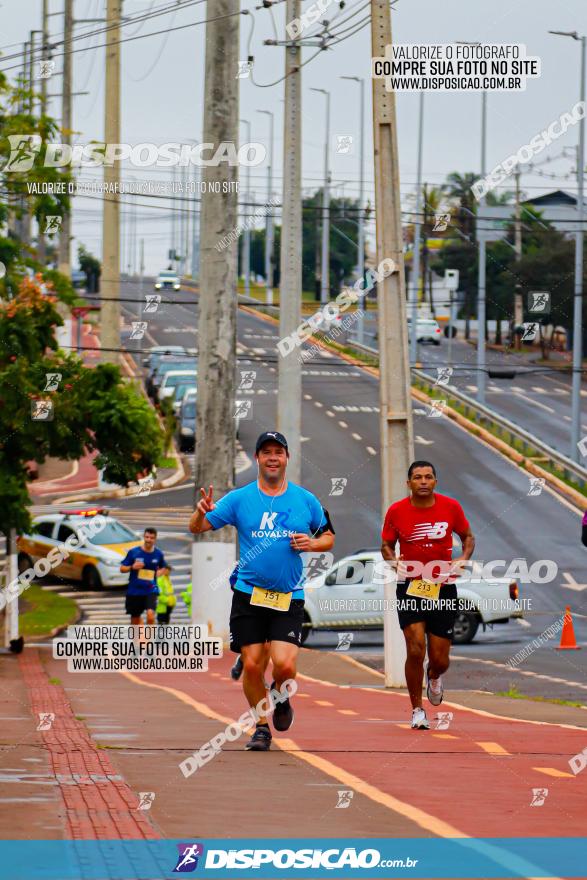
(260, 740)
(283, 714)
(237, 669)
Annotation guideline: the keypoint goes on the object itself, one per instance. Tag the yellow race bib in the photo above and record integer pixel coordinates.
(424, 589)
(146, 574)
(271, 599)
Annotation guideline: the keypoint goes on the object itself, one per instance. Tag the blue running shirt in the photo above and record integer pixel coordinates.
(265, 524)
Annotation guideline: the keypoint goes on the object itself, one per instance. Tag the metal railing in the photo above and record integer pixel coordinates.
(519, 439)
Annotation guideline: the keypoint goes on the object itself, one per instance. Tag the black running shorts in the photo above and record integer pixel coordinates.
(254, 625)
(439, 617)
(135, 605)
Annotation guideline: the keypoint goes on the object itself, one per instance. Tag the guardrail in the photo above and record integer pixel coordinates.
(522, 441)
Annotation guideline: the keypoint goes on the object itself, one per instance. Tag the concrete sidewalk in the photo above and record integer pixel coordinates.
(115, 735)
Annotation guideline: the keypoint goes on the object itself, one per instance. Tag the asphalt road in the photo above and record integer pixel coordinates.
(538, 399)
(340, 434)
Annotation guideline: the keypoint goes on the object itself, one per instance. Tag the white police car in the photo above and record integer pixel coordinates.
(56, 544)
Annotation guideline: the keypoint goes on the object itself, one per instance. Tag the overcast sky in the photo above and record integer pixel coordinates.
(162, 89)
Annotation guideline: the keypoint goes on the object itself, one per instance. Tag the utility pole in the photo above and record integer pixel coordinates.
(578, 289)
(325, 270)
(213, 552)
(110, 286)
(396, 432)
(289, 397)
(361, 215)
(44, 48)
(65, 233)
(196, 230)
(246, 261)
(186, 204)
(269, 215)
(481, 278)
(518, 303)
(415, 280)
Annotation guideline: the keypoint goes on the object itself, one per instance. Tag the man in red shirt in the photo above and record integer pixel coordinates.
(424, 523)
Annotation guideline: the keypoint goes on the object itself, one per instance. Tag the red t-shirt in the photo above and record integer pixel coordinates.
(425, 533)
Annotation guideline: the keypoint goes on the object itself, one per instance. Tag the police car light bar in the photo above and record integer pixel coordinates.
(94, 511)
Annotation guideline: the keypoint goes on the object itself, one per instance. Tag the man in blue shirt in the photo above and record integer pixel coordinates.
(276, 521)
(145, 564)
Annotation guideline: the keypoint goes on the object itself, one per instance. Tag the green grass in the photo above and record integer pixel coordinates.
(42, 611)
(166, 462)
(515, 694)
(54, 681)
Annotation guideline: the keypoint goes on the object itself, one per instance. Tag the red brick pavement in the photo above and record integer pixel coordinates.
(99, 805)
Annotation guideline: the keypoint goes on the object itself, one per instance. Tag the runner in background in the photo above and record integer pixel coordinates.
(145, 564)
(424, 523)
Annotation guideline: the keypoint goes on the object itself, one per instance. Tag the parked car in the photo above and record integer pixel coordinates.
(186, 426)
(158, 351)
(167, 363)
(348, 597)
(168, 279)
(427, 330)
(179, 393)
(154, 358)
(171, 379)
(96, 564)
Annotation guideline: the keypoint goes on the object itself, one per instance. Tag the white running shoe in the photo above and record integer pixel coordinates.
(434, 689)
(419, 720)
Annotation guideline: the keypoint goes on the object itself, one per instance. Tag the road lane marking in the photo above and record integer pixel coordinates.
(519, 393)
(493, 749)
(347, 711)
(484, 713)
(445, 735)
(420, 817)
(330, 413)
(318, 404)
(323, 703)
(356, 436)
(342, 424)
(425, 820)
(527, 672)
(551, 771)
(371, 451)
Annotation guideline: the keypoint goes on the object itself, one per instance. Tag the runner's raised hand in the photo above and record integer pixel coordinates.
(206, 504)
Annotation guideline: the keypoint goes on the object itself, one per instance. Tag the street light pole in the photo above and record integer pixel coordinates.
(481, 300)
(247, 234)
(361, 216)
(578, 291)
(269, 216)
(325, 270)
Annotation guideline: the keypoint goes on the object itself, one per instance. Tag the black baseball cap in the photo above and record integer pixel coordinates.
(270, 435)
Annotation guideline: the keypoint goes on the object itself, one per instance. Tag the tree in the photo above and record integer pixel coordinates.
(458, 189)
(89, 410)
(91, 267)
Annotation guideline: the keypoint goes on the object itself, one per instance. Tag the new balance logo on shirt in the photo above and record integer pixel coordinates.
(433, 531)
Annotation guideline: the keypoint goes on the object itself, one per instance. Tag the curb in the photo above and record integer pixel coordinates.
(125, 491)
(527, 464)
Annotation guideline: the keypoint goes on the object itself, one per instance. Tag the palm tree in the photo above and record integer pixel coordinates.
(432, 197)
(458, 189)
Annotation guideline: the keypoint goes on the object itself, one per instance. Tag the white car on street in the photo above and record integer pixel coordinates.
(167, 280)
(172, 379)
(427, 330)
(350, 596)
